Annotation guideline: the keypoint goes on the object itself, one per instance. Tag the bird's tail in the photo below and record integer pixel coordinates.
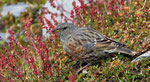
(125, 51)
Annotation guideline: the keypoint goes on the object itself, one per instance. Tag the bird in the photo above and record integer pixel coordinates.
(87, 44)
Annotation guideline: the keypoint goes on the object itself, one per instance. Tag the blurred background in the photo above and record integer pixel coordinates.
(11, 13)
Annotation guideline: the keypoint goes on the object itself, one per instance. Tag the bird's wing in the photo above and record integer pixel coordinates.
(99, 40)
(109, 46)
(87, 40)
(108, 42)
(103, 44)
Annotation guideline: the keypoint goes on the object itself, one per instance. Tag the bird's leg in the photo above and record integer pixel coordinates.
(82, 69)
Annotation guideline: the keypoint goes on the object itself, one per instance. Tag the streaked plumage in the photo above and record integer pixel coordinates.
(86, 44)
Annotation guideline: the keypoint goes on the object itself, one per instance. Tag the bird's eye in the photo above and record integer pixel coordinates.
(65, 28)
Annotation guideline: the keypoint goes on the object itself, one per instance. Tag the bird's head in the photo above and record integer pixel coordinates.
(65, 30)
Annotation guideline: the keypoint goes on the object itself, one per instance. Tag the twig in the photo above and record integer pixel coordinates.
(144, 4)
(145, 55)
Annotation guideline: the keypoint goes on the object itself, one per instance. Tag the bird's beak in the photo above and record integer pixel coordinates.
(55, 29)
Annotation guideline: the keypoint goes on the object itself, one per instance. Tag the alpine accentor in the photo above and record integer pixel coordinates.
(86, 44)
